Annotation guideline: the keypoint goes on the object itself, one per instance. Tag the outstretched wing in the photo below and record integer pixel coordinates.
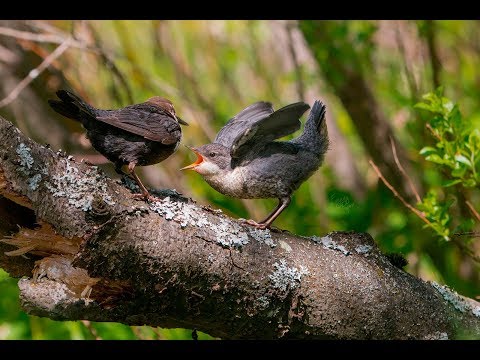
(242, 121)
(145, 120)
(256, 134)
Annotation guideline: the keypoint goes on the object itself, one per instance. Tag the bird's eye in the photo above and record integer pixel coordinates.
(212, 154)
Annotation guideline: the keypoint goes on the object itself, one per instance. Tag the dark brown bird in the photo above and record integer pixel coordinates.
(136, 135)
(245, 162)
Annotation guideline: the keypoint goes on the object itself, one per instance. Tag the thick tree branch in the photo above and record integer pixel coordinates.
(99, 255)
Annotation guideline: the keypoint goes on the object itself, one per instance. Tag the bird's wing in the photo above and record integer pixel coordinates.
(257, 134)
(242, 121)
(144, 120)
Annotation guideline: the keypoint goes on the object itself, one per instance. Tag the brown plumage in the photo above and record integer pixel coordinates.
(136, 135)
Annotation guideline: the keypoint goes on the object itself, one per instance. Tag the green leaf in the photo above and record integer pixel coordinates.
(456, 121)
(474, 140)
(427, 150)
(462, 159)
(435, 158)
(469, 183)
(425, 106)
(451, 182)
(465, 225)
(459, 171)
(445, 221)
(447, 105)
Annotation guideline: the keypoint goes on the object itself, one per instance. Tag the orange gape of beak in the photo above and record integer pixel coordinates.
(196, 163)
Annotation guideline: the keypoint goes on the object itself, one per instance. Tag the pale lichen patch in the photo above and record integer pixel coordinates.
(286, 278)
(185, 214)
(229, 234)
(34, 182)
(453, 298)
(284, 245)
(363, 249)
(328, 243)
(262, 302)
(437, 335)
(26, 167)
(80, 189)
(26, 159)
(226, 233)
(262, 236)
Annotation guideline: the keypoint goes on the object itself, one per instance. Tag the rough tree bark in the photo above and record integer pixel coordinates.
(91, 252)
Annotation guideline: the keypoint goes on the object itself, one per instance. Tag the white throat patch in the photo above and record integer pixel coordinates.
(207, 168)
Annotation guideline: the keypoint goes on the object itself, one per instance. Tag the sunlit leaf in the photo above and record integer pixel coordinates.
(435, 158)
(462, 159)
(425, 106)
(428, 150)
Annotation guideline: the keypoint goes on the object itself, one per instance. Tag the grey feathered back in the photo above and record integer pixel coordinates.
(258, 125)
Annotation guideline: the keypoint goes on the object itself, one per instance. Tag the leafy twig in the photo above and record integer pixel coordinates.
(434, 133)
(463, 247)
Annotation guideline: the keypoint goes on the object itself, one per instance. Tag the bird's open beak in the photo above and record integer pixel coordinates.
(180, 121)
(197, 162)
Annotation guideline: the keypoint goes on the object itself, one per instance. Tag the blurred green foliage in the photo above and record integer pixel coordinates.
(213, 69)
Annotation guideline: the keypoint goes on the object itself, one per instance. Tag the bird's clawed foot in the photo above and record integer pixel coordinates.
(261, 226)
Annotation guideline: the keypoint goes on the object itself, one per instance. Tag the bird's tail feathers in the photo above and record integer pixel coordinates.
(317, 116)
(71, 106)
(315, 134)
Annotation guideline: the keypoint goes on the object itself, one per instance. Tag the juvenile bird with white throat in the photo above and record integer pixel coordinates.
(244, 161)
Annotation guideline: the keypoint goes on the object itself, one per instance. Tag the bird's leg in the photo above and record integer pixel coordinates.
(145, 194)
(119, 170)
(282, 204)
